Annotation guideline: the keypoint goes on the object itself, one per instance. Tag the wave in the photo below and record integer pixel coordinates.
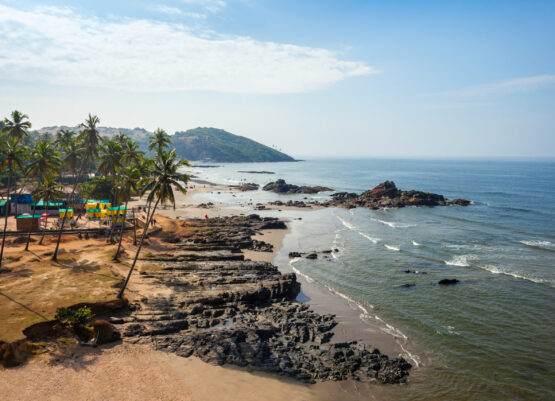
(347, 224)
(541, 245)
(393, 224)
(416, 243)
(459, 260)
(392, 248)
(496, 270)
(354, 228)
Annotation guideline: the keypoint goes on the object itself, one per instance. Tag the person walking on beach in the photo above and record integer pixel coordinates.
(206, 217)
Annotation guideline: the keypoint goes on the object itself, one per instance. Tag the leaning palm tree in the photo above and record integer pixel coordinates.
(48, 191)
(44, 162)
(45, 189)
(165, 176)
(130, 177)
(90, 138)
(159, 141)
(16, 128)
(12, 159)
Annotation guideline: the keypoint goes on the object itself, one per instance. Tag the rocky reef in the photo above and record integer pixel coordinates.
(281, 187)
(201, 297)
(386, 195)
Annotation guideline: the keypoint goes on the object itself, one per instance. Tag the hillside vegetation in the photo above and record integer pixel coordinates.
(209, 144)
(219, 145)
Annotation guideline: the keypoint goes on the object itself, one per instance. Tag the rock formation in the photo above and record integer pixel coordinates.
(281, 187)
(386, 195)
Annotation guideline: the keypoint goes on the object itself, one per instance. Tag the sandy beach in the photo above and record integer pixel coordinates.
(124, 371)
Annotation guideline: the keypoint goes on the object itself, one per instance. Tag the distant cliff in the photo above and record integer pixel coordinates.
(221, 146)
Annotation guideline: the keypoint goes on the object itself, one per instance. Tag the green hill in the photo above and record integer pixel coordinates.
(221, 146)
(209, 144)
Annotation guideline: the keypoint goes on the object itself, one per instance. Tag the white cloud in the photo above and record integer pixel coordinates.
(60, 47)
(209, 5)
(166, 9)
(508, 87)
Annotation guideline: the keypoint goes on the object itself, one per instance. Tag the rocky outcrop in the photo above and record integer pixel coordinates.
(387, 195)
(241, 312)
(249, 186)
(281, 187)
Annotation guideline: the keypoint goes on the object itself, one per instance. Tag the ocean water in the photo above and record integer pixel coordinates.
(490, 337)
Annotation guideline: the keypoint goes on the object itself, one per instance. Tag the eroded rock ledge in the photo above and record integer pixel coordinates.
(215, 305)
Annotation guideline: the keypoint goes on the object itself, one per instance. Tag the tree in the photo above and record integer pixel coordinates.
(165, 177)
(46, 190)
(72, 156)
(16, 128)
(110, 158)
(12, 159)
(90, 138)
(44, 161)
(159, 141)
(129, 181)
(131, 153)
(64, 136)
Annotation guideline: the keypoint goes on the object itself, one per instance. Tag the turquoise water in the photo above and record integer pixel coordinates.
(491, 337)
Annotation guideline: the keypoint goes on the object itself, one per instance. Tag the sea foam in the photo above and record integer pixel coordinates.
(392, 248)
(459, 260)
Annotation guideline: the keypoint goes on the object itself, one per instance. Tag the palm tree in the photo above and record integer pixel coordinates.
(110, 158)
(159, 141)
(48, 191)
(16, 128)
(72, 156)
(165, 176)
(64, 136)
(45, 161)
(129, 181)
(12, 158)
(131, 153)
(121, 138)
(90, 138)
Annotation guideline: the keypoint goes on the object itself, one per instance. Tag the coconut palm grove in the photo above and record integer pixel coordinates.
(80, 183)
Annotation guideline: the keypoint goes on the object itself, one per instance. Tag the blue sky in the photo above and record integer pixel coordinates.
(315, 78)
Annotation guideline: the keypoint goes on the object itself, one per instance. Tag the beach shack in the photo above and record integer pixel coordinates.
(51, 207)
(26, 222)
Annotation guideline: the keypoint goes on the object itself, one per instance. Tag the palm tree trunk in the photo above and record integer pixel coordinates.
(134, 228)
(30, 227)
(116, 256)
(46, 220)
(55, 256)
(5, 220)
(120, 294)
(110, 240)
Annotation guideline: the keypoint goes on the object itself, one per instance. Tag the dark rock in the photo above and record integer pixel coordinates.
(250, 186)
(312, 256)
(281, 187)
(448, 281)
(294, 255)
(387, 195)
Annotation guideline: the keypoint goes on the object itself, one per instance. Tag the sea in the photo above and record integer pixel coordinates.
(489, 337)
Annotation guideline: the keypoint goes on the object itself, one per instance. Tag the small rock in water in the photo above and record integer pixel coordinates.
(294, 255)
(312, 256)
(448, 281)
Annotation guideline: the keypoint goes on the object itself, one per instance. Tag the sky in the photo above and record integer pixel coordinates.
(315, 78)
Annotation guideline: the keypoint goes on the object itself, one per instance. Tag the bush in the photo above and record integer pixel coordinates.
(77, 321)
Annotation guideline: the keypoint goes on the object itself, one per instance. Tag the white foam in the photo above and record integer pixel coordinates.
(497, 270)
(416, 243)
(306, 277)
(347, 224)
(392, 248)
(540, 244)
(351, 227)
(393, 224)
(369, 238)
(459, 260)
